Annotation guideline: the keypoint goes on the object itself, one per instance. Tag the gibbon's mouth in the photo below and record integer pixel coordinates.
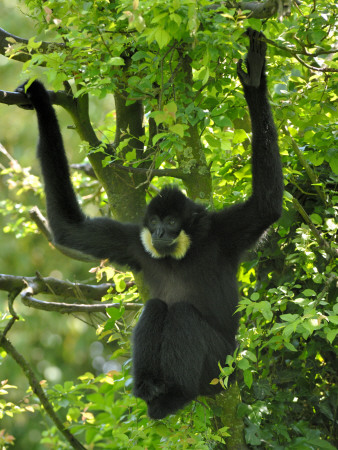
(164, 246)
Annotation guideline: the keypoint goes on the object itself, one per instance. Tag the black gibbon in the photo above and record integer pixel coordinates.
(189, 256)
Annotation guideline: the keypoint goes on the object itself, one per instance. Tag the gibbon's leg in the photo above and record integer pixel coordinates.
(182, 356)
(190, 352)
(183, 348)
(147, 338)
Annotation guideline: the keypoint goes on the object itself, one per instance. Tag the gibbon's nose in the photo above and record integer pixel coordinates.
(159, 232)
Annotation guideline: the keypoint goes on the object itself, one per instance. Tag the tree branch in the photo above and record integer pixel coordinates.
(76, 107)
(151, 173)
(66, 308)
(6, 37)
(318, 69)
(330, 280)
(262, 10)
(86, 168)
(310, 173)
(29, 286)
(333, 252)
(39, 392)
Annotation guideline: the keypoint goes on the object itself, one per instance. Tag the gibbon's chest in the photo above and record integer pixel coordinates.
(191, 279)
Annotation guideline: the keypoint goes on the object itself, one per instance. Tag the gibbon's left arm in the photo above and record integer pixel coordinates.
(244, 223)
(99, 237)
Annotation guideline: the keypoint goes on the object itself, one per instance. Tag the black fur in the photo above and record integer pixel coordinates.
(189, 325)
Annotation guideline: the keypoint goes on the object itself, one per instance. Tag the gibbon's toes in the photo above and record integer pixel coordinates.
(149, 390)
(166, 404)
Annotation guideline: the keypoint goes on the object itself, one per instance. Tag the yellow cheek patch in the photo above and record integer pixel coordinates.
(182, 245)
(148, 245)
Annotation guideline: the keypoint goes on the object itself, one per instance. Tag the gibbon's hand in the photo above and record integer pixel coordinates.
(36, 93)
(255, 60)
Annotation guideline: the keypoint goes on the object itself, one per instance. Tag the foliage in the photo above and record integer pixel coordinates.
(285, 363)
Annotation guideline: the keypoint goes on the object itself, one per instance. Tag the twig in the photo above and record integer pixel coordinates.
(332, 277)
(318, 69)
(322, 242)
(310, 173)
(39, 392)
(41, 222)
(86, 168)
(45, 47)
(7, 328)
(299, 52)
(66, 308)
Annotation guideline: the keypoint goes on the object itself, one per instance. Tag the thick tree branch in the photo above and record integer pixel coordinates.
(5, 42)
(262, 10)
(151, 173)
(77, 108)
(29, 286)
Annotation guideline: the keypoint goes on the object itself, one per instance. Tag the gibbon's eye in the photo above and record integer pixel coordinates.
(153, 221)
(171, 222)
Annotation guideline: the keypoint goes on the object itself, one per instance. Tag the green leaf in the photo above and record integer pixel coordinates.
(289, 346)
(116, 61)
(309, 293)
(178, 128)
(115, 313)
(250, 355)
(162, 37)
(333, 319)
(248, 378)
(131, 156)
(332, 159)
(203, 75)
(289, 317)
(243, 364)
(239, 136)
(265, 308)
(222, 121)
(330, 334)
(316, 219)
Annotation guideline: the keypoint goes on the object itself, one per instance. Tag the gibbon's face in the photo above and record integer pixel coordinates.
(164, 237)
(163, 234)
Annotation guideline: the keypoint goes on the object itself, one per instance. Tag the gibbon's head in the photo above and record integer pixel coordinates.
(168, 224)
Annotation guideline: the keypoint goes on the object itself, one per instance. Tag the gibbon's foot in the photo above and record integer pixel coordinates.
(166, 404)
(149, 389)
